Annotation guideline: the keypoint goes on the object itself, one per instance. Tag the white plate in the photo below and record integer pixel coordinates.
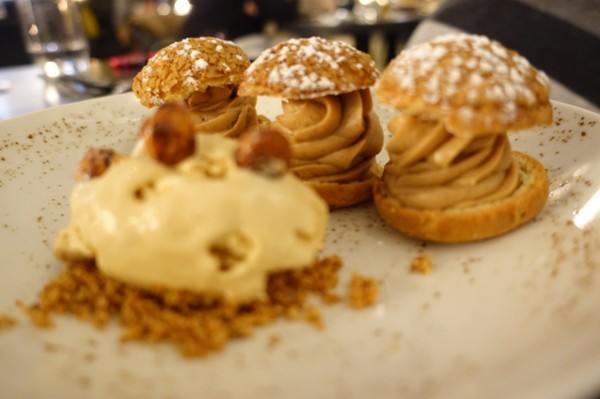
(515, 316)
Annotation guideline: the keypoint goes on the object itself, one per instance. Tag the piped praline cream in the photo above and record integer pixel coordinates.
(218, 110)
(203, 225)
(333, 138)
(431, 168)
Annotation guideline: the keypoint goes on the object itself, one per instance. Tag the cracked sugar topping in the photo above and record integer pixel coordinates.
(309, 68)
(190, 65)
(459, 75)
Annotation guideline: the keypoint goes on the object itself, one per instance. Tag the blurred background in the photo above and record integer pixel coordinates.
(123, 34)
(126, 27)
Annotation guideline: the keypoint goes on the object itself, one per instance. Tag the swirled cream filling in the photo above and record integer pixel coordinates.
(333, 138)
(220, 110)
(431, 168)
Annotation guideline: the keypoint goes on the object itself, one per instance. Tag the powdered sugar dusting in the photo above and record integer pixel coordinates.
(457, 67)
(311, 67)
(466, 113)
(189, 65)
(189, 80)
(200, 64)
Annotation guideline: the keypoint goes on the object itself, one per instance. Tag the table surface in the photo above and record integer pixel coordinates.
(22, 90)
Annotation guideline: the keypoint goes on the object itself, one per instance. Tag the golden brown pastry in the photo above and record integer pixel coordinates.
(205, 73)
(327, 114)
(452, 175)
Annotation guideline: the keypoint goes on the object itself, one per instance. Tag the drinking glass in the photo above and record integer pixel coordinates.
(54, 36)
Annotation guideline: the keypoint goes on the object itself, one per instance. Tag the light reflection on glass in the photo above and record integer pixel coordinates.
(51, 69)
(182, 7)
(163, 9)
(367, 11)
(62, 5)
(51, 95)
(33, 30)
(342, 14)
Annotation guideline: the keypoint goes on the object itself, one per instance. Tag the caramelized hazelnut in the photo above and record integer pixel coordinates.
(169, 134)
(95, 162)
(264, 150)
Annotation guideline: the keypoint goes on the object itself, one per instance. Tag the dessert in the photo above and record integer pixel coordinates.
(204, 73)
(185, 244)
(327, 114)
(193, 239)
(452, 175)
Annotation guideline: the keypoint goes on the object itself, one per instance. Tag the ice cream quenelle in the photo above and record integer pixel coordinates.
(452, 175)
(204, 73)
(210, 221)
(327, 113)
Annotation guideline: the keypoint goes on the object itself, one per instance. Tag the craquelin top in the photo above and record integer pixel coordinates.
(473, 84)
(189, 65)
(309, 68)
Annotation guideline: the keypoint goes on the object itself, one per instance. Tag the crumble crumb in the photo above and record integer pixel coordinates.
(421, 264)
(197, 325)
(363, 291)
(7, 321)
(274, 340)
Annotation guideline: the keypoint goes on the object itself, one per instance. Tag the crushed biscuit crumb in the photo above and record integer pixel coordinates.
(195, 324)
(7, 321)
(421, 264)
(274, 340)
(363, 291)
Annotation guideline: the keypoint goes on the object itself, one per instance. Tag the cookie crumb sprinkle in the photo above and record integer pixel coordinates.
(421, 264)
(197, 325)
(363, 291)
(7, 321)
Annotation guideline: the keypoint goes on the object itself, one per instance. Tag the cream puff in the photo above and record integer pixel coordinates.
(452, 175)
(327, 116)
(204, 73)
